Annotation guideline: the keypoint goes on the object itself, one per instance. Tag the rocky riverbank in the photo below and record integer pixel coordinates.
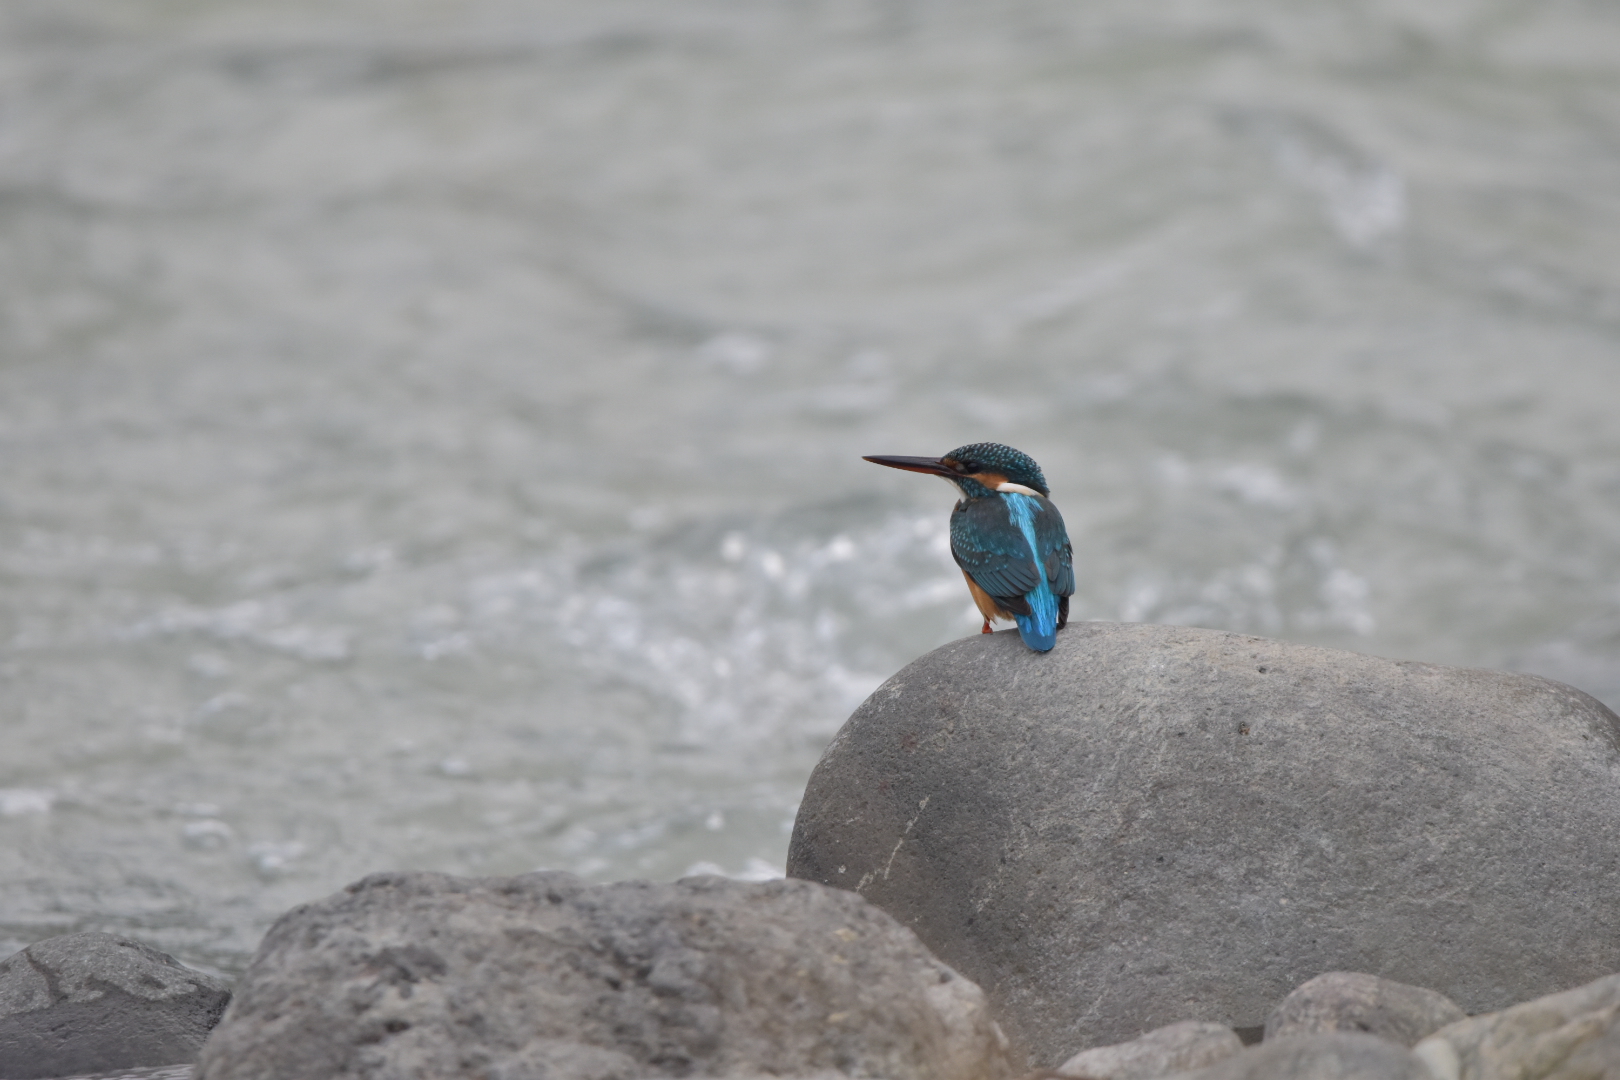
(712, 978)
(1153, 852)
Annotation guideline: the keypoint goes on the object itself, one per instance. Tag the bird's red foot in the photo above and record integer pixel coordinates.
(986, 629)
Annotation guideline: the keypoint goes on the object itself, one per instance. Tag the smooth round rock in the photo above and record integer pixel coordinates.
(1325, 1056)
(1151, 824)
(1574, 1035)
(1182, 1047)
(1357, 1002)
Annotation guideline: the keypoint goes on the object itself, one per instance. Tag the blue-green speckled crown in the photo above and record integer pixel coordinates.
(1015, 465)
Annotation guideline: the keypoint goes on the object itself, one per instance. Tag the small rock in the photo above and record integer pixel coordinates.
(1334, 1056)
(1574, 1035)
(1352, 1001)
(1191, 1044)
(1150, 823)
(84, 1003)
(542, 976)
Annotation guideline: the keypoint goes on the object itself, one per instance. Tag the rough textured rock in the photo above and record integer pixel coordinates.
(1152, 824)
(156, 1072)
(1334, 1056)
(1354, 1001)
(542, 976)
(83, 1003)
(1574, 1035)
(1174, 1048)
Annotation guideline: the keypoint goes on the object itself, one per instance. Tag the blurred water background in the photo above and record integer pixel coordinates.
(430, 428)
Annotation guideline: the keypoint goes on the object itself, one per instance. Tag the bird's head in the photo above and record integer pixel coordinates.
(978, 469)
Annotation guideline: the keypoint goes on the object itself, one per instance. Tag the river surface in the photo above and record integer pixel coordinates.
(430, 428)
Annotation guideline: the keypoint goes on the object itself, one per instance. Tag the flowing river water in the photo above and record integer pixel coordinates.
(431, 428)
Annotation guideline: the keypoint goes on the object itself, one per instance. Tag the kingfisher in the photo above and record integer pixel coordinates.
(1006, 536)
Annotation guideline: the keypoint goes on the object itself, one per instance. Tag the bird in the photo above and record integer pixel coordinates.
(1006, 536)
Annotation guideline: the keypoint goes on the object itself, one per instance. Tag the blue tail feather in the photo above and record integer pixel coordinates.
(1039, 627)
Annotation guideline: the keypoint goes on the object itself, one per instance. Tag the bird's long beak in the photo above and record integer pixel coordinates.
(933, 465)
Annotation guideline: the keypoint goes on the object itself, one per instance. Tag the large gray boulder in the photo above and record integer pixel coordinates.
(1151, 824)
(85, 1003)
(1356, 1001)
(542, 977)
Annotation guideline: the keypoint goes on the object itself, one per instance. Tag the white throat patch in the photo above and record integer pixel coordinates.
(1020, 488)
